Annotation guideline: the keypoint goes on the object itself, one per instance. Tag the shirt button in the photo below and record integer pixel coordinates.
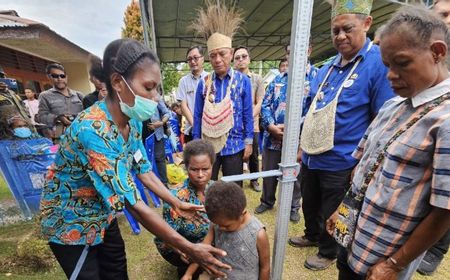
(332, 88)
(340, 72)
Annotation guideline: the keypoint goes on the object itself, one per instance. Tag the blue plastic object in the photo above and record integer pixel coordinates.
(24, 165)
(175, 127)
(149, 148)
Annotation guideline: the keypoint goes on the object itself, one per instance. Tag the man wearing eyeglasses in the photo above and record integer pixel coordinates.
(187, 87)
(241, 63)
(59, 105)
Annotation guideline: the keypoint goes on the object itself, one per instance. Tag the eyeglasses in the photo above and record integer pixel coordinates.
(239, 57)
(194, 58)
(56, 76)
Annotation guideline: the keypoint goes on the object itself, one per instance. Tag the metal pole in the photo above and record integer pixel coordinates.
(144, 22)
(148, 25)
(301, 25)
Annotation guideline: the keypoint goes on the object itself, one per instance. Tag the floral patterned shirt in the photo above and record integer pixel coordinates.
(90, 179)
(195, 233)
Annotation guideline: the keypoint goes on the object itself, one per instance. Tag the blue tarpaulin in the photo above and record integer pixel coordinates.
(24, 165)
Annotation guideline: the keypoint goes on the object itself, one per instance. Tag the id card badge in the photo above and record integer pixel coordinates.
(137, 156)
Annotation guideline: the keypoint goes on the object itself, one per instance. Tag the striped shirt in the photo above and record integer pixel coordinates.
(413, 178)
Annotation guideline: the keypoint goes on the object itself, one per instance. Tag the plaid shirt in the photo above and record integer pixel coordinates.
(413, 178)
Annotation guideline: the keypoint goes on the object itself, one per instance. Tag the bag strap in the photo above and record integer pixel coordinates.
(373, 170)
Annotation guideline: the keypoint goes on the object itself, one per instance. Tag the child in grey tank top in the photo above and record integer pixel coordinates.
(237, 232)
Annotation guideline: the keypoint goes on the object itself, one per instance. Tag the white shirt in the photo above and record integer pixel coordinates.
(186, 91)
(33, 107)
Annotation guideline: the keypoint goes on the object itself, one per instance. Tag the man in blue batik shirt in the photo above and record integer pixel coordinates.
(273, 112)
(355, 84)
(238, 146)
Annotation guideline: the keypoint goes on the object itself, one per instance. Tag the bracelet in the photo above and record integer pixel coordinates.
(395, 264)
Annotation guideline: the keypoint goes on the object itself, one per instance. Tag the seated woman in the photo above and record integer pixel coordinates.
(198, 158)
(403, 175)
(19, 128)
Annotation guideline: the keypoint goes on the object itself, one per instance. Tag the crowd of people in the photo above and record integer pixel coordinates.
(374, 151)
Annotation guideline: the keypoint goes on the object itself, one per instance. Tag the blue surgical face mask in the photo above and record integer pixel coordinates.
(22, 132)
(142, 109)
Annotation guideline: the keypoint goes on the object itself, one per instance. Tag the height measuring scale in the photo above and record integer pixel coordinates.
(289, 168)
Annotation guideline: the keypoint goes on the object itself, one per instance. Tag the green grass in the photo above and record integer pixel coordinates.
(5, 193)
(144, 262)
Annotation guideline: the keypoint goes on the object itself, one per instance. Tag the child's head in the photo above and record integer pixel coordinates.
(199, 157)
(283, 66)
(225, 205)
(30, 94)
(176, 107)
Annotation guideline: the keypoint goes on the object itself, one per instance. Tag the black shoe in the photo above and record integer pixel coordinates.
(255, 185)
(262, 208)
(295, 217)
(429, 264)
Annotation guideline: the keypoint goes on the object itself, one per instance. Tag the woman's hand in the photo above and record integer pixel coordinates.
(331, 222)
(191, 212)
(204, 255)
(383, 270)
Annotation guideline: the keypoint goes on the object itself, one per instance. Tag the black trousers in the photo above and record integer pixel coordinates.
(253, 161)
(270, 161)
(441, 247)
(160, 158)
(231, 165)
(104, 261)
(345, 272)
(322, 193)
(188, 138)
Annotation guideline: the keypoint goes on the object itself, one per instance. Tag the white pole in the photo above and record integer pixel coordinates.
(301, 25)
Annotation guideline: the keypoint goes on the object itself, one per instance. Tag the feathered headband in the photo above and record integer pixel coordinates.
(217, 23)
(340, 7)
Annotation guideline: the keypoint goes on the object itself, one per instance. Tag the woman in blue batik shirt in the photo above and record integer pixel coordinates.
(90, 180)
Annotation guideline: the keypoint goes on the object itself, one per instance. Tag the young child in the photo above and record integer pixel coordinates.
(237, 232)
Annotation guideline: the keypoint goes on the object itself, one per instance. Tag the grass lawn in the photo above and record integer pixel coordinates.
(144, 262)
(5, 193)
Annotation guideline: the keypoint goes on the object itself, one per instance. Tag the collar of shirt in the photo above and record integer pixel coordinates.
(202, 74)
(431, 93)
(362, 52)
(228, 74)
(71, 92)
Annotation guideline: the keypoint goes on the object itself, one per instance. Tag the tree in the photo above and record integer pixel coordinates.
(171, 77)
(132, 21)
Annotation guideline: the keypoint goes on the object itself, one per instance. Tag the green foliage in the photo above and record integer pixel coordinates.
(132, 21)
(170, 76)
(5, 193)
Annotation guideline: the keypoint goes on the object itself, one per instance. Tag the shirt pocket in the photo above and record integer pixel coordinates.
(404, 165)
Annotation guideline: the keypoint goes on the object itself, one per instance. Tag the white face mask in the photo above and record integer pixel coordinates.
(142, 109)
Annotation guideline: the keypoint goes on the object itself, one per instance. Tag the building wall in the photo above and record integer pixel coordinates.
(29, 71)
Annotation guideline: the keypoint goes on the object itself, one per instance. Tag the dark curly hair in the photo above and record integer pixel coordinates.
(198, 147)
(122, 56)
(225, 200)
